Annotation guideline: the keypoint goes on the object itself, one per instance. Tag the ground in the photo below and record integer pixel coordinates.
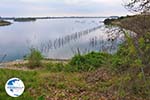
(42, 84)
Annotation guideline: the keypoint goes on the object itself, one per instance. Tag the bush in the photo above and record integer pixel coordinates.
(131, 55)
(80, 63)
(34, 58)
(132, 59)
(89, 61)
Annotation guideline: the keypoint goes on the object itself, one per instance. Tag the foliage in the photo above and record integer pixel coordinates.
(144, 46)
(128, 54)
(125, 56)
(34, 58)
(89, 61)
(138, 5)
(133, 58)
(78, 63)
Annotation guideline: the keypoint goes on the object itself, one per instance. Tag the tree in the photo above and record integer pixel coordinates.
(138, 5)
(141, 41)
(141, 23)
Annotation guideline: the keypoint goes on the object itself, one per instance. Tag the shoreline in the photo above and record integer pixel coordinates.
(133, 23)
(22, 64)
(4, 23)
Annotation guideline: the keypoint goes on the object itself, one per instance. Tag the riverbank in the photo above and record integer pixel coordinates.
(139, 24)
(23, 64)
(94, 76)
(4, 23)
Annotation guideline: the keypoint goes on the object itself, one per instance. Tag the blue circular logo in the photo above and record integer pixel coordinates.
(14, 87)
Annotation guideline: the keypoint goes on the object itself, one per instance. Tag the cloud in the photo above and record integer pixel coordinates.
(61, 7)
(34, 1)
(83, 2)
(106, 1)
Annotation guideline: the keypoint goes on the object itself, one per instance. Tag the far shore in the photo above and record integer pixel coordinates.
(4, 23)
(24, 19)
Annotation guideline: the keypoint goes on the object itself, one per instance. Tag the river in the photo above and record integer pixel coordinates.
(55, 38)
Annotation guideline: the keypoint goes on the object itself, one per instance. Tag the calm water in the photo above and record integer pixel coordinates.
(55, 38)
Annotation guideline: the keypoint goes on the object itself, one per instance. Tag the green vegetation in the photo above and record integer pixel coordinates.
(81, 63)
(90, 76)
(34, 58)
(42, 85)
(4, 23)
(89, 61)
(24, 19)
(124, 75)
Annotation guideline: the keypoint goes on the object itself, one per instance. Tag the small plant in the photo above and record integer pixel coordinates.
(34, 58)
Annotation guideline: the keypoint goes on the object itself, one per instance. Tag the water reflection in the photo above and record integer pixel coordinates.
(55, 38)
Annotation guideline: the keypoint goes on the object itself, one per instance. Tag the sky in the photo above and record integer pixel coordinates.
(21, 8)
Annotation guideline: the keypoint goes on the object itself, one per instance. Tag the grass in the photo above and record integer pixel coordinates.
(29, 79)
(44, 84)
(49, 85)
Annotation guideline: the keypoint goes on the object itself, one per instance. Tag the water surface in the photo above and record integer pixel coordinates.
(55, 38)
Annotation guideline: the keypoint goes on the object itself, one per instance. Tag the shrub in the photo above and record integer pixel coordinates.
(34, 58)
(131, 54)
(80, 63)
(89, 61)
(133, 58)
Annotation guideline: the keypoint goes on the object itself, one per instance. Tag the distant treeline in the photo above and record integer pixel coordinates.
(24, 19)
(14, 18)
(109, 21)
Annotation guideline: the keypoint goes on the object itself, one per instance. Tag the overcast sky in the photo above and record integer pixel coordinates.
(62, 8)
